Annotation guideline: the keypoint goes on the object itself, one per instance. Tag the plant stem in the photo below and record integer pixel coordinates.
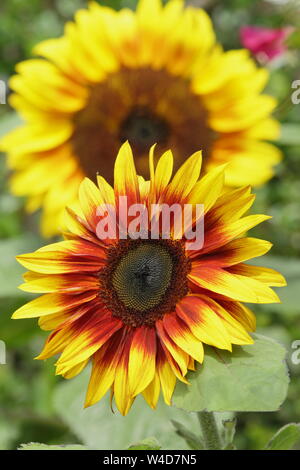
(210, 433)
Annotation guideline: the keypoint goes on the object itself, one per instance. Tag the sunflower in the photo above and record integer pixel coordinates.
(156, 75)
(141, 308)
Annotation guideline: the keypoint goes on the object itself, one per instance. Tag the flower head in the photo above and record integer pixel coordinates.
(141, 308)
(117, 76)
(265, 43)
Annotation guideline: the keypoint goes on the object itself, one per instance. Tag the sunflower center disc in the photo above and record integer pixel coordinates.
(143, 280)
(142, 277)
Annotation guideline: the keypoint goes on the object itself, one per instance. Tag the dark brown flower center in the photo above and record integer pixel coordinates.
(143, 280)
(143, 106)
(143, 129)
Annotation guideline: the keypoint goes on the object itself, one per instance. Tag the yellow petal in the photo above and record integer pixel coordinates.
(167, 380)
(125, 177)
(51, 303)
(122, 395)
(183, 337)
(223, 282)
(208, 189)
(236, 331)
(151, 392)
(163, 173)
(94, 334)
(241, 313)
(185, 179)
(75, 370)
(56, 343)
(266, 275)
(262, 294)
(203, 322)
(141, 366)
(178, 355)
(235, 252)
(103, 372)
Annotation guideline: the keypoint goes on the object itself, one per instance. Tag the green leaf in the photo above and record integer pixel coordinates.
(146, 444)
(251, 378)
(290, 134)
(38, 446)
(100, 428)
(286, 438)
(190, 438)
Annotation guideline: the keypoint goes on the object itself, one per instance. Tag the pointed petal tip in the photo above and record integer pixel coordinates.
(223, 166)
(151, 161)
(153, 147)
(17, 315)
(87, 404)
(40, 357)
(19, 258)
(126, 146)
(85, 182)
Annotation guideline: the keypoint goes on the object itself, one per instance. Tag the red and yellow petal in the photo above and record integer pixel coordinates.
(183, 336)
(90, 199)
(268, 276)
(121, 390)
(222, 233)
(232, 286)
(203, 322)
(142, 357)
(234, 252)
(69, 256)
(37, 283)
(220, 281)
(179, 356)
(241, 313)
(53, 303)
(230, 206)
(56, 343)
(91, 334)
(166, 376)
(105, 361)
(236, 331)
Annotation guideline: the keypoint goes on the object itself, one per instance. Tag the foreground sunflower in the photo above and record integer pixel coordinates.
(142, 308)
(156, 75)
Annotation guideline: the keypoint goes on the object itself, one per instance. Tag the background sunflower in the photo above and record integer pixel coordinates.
(155, 75)
(38, 407)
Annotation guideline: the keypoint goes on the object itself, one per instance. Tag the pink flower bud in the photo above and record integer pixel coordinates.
(265, 44)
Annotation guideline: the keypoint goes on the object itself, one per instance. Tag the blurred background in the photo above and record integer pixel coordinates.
(37, 406)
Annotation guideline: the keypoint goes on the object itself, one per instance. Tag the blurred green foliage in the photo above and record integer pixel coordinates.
(34, 404)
